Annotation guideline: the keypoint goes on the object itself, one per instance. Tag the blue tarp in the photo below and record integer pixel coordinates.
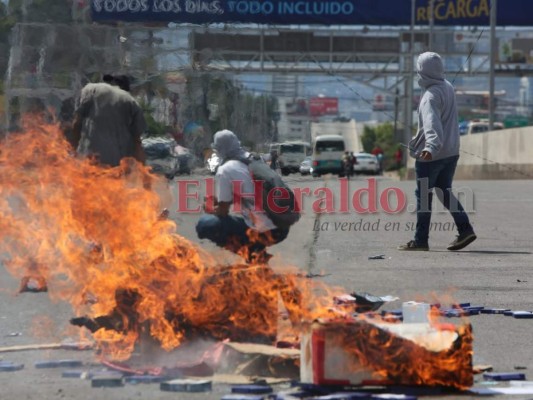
(312, 12)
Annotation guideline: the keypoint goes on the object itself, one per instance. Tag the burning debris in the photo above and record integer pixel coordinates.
(359, 352)
(228, 319)
(122, 318)
(97, 238)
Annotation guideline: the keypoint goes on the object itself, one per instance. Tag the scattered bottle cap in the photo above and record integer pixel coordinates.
(107, 381)
(70, 363)
(74, 373)
(252, 389)
(523, 314)
(186, 385)
(504, 376)
(386, 396)
(8, 366)
(136, 379)
(235, 396)
(46, 364)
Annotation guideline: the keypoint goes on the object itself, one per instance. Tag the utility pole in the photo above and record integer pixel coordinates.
(431, 23)
(492, 100)
(409, 66)
(396, 103)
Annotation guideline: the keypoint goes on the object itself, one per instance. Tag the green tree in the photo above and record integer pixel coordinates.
(216, 102)
(368, 138)
(381, 135)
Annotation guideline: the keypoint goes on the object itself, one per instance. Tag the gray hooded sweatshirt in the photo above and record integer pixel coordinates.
(228, 146)
(438, 127)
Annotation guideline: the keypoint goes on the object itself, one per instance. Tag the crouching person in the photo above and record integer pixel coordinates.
(246, 231)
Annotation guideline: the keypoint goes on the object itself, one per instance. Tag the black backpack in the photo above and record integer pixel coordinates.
(272, 183)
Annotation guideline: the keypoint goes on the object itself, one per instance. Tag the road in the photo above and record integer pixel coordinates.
(495, 271)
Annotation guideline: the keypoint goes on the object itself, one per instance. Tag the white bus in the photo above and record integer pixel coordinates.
(291, 155)
(327, 155)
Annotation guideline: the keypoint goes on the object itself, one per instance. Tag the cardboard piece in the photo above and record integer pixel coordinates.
(342, 353)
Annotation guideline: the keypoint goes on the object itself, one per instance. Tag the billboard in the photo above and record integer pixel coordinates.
(319, 106)
(312, 12)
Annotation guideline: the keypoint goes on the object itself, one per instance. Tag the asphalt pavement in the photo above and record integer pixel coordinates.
(494, 271)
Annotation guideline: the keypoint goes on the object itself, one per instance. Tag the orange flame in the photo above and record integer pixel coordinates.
(96, 238)
(91, 232)
(403, 362)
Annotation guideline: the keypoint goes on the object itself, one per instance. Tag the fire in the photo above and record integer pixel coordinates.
(95, 238)
(369, 352)
(405, 362)
(95, 234)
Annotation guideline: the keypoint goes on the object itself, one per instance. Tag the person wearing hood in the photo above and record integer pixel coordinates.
(436, 149)
(108, 122)
(247, 231)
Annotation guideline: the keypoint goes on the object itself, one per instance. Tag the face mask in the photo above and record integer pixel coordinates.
(419, 79)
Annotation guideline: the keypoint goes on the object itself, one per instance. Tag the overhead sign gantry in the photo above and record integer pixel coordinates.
(314, 12)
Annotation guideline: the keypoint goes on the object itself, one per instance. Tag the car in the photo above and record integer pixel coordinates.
(165, 157)
(463, 128)
(479, 126)
(366, 163)
(306, 166)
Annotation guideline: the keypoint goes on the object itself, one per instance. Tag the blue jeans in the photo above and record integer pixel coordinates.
(437, 175)
(232, 233)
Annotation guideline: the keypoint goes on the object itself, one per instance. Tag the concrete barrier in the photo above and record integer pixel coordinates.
(502, 154)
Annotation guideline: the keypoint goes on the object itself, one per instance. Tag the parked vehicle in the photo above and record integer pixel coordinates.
(327, 155)
(306, 166)
(478, 126)
(366, 164)
(463, 127)
(166, 157)
(291, 154)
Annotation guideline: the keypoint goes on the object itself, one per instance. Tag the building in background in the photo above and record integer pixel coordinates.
(297, 114)
(294, 119)
(347, 129)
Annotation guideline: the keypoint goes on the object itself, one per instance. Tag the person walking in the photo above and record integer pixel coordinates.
(274, 160)
(436, 149)
(353, 162)
(108, 122)
(398, 157)
(378, 152)
(247, 231)
(347, 165)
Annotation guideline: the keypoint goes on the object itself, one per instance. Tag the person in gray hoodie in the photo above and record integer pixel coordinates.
(247, 231)
(436, 149)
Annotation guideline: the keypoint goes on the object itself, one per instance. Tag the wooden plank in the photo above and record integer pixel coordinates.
(49, 346)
